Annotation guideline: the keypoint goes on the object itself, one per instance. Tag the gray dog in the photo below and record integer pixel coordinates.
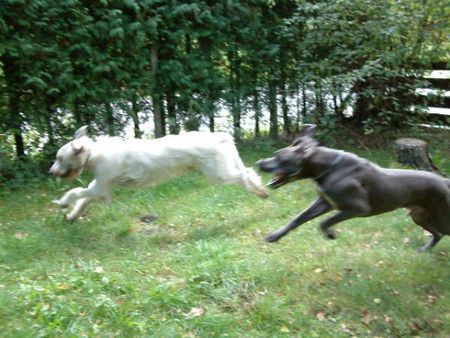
(358, 188)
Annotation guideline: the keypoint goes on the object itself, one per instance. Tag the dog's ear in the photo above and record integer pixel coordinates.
(308, 152)
(81, 132)
(78, 148)
(309, 130)
(306, 147)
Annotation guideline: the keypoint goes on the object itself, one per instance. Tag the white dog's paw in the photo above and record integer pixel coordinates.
(71, 217)
(58, 202)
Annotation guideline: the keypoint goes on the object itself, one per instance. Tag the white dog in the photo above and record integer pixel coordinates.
(136, 163)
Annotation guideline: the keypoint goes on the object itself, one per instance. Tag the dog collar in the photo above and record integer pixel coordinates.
(335, 162)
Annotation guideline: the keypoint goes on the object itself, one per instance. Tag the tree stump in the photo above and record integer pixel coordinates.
(414, 152)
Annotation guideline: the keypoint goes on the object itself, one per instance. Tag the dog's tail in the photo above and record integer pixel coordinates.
(253, 183)
(246, 176)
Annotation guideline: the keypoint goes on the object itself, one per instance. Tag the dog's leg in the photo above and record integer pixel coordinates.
(95, 189)
(436, 238)
(319, 207)
(79, 207)
(420, 216)
(342, 215)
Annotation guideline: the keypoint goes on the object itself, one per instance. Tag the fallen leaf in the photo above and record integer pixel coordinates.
(99, 269)
(366, 319)
(346, 329)
(195, 312)
(379, 263)
(284, 329)
(415, 326)
(148, 218)
(320, 316)
(63, 287)
(431, 299)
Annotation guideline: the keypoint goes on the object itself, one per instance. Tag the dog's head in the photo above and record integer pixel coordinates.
(72, 157)
(288, 163)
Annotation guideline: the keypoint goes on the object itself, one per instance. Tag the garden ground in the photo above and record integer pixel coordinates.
(203, 269)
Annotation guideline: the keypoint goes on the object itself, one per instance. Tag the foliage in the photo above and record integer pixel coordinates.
(109, 63)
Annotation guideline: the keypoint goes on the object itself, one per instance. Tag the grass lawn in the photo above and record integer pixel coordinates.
(203, 269)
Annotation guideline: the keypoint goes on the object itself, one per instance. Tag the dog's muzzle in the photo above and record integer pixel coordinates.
(282, 176)
(68, 174)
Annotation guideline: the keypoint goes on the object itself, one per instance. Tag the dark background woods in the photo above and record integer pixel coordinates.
(177, 63)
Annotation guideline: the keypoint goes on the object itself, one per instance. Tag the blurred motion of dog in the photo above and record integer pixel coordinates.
(136, 163)
(356, 187)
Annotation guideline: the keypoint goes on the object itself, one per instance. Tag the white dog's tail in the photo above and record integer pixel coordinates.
(226, 166)
(249, 178)
(253, 183)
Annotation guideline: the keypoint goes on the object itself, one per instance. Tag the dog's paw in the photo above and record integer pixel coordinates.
(273, 237)
(70, 217)
(423, 248)
(330, 234)
(59, 203)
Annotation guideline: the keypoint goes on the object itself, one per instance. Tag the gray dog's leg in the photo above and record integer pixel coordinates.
(319, 207)
(339, 217)
(436, 238)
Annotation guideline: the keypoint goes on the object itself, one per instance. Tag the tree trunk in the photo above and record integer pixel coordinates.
(48, 122)
(273, 128)
(158, 118)
(174, 126)
(16, 125)
(18, 139)
(257, 109)
(299, 111)
(135, 118)
(414, 152)
(304, 102)
(236, 112)
(210, 112)
(11, 71)
(109, 118)
(235, 99)
(320, 104)
(284, 105)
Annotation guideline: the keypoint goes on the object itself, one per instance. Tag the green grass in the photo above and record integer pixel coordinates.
(109, 275)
